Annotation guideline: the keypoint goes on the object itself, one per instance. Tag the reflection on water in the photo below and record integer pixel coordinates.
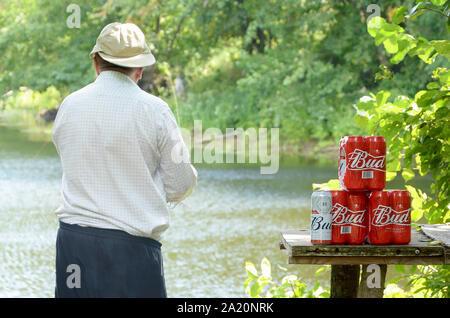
(234, 215)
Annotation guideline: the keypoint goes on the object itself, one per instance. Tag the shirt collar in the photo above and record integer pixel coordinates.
(115, 77)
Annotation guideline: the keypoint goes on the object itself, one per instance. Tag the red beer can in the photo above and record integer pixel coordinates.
(349, 224)
(362, 163)
(338, 212)
(390, 217)
(400, 216)
(376, 174)
(380, 228)
(357, 217)
(352, 153)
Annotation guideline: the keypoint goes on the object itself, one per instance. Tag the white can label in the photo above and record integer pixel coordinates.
(321, 227)
(321, 205)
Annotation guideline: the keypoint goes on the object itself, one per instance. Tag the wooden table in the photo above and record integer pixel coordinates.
(429, 245)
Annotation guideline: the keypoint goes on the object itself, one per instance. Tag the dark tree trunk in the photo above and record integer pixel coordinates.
(344, 281)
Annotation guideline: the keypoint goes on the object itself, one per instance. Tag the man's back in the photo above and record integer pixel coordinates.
(115, 142)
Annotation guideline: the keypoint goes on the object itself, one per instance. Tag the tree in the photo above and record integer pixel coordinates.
(416, 127)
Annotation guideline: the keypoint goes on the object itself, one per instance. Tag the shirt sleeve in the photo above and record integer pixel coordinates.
(179, 177)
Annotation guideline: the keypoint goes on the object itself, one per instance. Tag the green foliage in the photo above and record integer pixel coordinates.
(418, 135)
(31, 100)
(421, 281)
(296, 65)
(417, 132)
(416, 128)
(257, 286)
(332, 184)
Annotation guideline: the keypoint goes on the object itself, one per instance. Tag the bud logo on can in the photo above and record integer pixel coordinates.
(361, 160)
(317, 223)
(343, 216)
(385, 215)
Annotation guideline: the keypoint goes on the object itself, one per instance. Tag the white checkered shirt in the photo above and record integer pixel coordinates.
(115, 142)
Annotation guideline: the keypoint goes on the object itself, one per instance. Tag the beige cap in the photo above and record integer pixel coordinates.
(123, 45)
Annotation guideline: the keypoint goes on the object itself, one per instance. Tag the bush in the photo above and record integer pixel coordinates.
(257, 286)
(28, 99)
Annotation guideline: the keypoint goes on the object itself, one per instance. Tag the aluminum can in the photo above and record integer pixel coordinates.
(380, 228)
(339, 211)
(349, 217)
(321, 204)
(376, 174)
(357, 218)
(352, 153)
(362, 163)
(389, 217)
(400, 216)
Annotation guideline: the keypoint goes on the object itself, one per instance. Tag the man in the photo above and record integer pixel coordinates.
(120, 150)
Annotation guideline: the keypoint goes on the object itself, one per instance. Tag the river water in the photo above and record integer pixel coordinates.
(234, 215)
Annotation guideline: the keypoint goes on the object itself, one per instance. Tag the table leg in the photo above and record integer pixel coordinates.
(344, 281)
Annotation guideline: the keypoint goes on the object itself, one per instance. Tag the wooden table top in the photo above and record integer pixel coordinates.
(429, 245)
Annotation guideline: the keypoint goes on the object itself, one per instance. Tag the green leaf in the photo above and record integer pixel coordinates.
(399, 15)
(374, 26)
(361, 121)
(442, 47)
(438, 2)
(433, 85)
(332, 184)
(289, 279)
(265, 268)
(251, 270)
(391, 45)
(407, 174)
(427, 98)
(443, 74)
(423, 50)
(390, 175)
(416, 199)
(319, 271)
(416, 214)
(405, 44)
(381, 30)
(393, 165)
(384, 73)
(254, 290)
(446, 217)
(417, 11)
(382, 97)
(325, 294)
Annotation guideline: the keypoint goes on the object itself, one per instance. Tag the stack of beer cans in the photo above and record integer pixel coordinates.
(361, 211)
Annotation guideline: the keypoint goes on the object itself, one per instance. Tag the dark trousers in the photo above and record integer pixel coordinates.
(92, 262)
